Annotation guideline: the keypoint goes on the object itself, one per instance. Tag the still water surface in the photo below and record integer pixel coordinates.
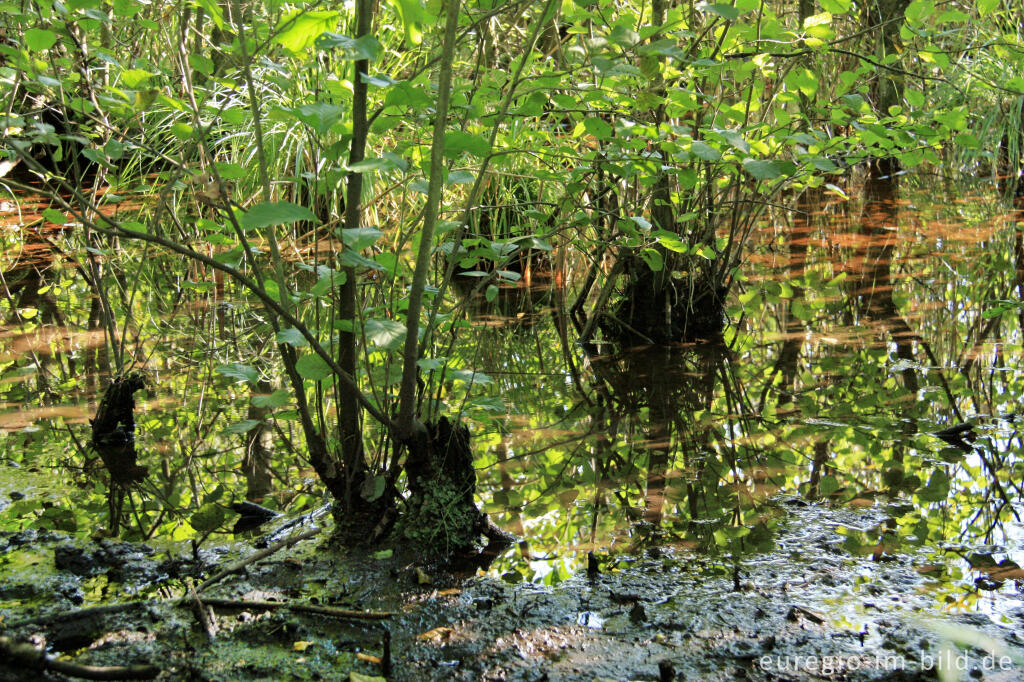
(859, 327)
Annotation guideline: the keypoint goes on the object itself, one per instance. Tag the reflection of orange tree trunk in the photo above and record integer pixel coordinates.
(875, 283)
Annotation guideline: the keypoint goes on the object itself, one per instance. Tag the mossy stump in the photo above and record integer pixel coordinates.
(441, 516)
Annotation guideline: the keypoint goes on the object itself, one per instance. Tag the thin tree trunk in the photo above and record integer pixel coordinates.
(349, 412)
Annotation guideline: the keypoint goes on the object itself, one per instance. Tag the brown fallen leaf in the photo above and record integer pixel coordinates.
(368, 658)
(438, 634)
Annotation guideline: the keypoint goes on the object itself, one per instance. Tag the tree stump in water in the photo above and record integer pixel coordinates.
(113, 430)
(441, 515)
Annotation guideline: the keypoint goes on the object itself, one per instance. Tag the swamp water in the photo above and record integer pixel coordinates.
(777, 506)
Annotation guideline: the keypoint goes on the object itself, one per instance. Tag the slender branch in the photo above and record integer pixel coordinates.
(407, 394)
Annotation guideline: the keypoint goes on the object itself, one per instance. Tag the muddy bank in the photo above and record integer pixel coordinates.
(808, 610)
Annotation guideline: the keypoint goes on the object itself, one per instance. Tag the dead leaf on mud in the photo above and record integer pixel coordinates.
(440, 634)
(449, 592)
(368, 658)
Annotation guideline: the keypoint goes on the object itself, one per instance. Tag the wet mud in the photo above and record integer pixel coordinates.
(808, 610)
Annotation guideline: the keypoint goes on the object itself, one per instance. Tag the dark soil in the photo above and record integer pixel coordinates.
(806, 611)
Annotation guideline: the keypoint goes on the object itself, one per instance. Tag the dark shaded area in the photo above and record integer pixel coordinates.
(251, 516)
(657, 308)
(113, 430)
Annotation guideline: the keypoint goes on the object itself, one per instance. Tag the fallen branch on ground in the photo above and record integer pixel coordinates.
(253, 558)
(294, 606)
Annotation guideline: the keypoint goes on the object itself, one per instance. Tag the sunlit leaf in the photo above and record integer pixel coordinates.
(598, 128)
(384, 334)
(654, 259)
(471, 377)
(39, 39)
(299, 29)
(240, 372)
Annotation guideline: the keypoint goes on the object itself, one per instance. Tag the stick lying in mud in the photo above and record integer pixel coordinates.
(253, 558)
(27, 655)
(292, 606)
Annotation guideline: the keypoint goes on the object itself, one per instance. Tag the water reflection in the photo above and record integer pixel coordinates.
(860, 329)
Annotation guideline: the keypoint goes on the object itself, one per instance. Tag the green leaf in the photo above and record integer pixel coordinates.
(182, 131)
(239, 372)
(727, 12)
(839, 6)
(360, 238)
(312, 366)
(737, 141)
(366, 47)
(208, 518)
(937, 488)
(135, 78)
(372, 488)
(243, 426)
(39, 39)
(319, 116)
(671, 241)
(967, 141)
(384, 334)
(413, 16)
(768, 170)
(653, 259)
(367, 165)
(470, 377)
(201, 64)
(56, 217)
(491, 293)
(460, 177)
(280, 213)
(431, 364)
(598, 128)
(298, 29)
(705, 151)
(705, 251)
(985, 7)
(292, 337)
(914, 97)
(278, 398)
(457, 142)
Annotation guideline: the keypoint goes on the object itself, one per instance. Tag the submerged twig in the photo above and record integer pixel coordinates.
(28, 656)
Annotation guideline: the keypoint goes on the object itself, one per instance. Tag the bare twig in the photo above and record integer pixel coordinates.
(293, 606)
(253, 558)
